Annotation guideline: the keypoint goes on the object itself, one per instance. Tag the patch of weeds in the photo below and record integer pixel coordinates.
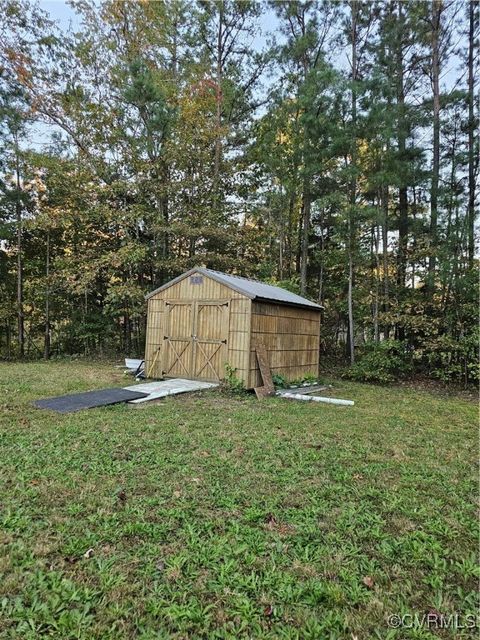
(232, 383)
(280, 381)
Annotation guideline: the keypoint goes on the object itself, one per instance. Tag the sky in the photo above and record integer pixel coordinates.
(60, 11)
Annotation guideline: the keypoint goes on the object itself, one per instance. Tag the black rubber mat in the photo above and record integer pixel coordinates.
(88, 399)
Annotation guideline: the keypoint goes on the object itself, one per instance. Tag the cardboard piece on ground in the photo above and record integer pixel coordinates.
(163, 388)
(268, 388)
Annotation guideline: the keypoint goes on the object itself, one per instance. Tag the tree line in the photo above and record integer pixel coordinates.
(328, 147)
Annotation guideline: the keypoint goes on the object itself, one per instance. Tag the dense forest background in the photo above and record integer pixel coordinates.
(329, 147)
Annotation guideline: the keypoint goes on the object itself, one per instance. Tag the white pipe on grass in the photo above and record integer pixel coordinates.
(301, 396)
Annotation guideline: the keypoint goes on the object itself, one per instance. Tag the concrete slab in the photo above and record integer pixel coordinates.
(163, 388)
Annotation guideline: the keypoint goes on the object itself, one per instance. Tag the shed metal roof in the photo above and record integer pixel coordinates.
(252, 289)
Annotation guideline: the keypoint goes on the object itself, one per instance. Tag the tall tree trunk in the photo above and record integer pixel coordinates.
(375, 249)
(46, 347)
(306, 206)
(353, 184)
(306, 195)
(402, 134)
(218, 108)
(281, 238)
(401, 141)
(322, 248)
(290, 241)
(351, 332)
(163, 209)
(436, 17)
(19, 221)
(386, 282)
(471, 127)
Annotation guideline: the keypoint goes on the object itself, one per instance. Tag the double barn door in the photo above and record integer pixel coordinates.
(195, 341)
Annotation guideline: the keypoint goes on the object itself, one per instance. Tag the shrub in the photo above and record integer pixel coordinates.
(280, 381)
(381, 362)
(232, 383)
(451, 359)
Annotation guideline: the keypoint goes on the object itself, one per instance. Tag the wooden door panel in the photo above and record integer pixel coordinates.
(178, 340)
(178, 358)
(210, 321)
(209, 360)
(180, 319)
(210, 340)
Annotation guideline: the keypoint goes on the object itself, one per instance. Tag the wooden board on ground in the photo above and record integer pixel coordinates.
(268, 388)
(307, 390)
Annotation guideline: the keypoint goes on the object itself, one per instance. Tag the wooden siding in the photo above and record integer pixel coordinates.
(291, 336)
(163, 355)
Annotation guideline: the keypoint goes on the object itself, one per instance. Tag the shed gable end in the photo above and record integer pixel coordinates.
(195, 286)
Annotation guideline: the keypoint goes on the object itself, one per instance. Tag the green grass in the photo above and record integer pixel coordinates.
(240, 519)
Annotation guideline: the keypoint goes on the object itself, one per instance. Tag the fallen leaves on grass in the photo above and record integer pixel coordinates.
(270, 519)
(282, 528)
(368, 581)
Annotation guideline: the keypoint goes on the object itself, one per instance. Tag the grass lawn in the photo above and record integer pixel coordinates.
(213, 517)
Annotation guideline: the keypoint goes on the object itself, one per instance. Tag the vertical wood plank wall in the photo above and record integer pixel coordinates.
(238, 345)
(291, 336)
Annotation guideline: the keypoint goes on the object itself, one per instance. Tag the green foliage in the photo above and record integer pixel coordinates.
(310, 378)
(232, 383)
(381, 362)
(280, 381)
(451, 359)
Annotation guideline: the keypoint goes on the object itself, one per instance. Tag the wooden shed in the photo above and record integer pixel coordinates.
(204, 319)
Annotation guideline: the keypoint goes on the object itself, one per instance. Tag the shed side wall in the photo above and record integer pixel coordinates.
(238, 344)
(291, 336)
